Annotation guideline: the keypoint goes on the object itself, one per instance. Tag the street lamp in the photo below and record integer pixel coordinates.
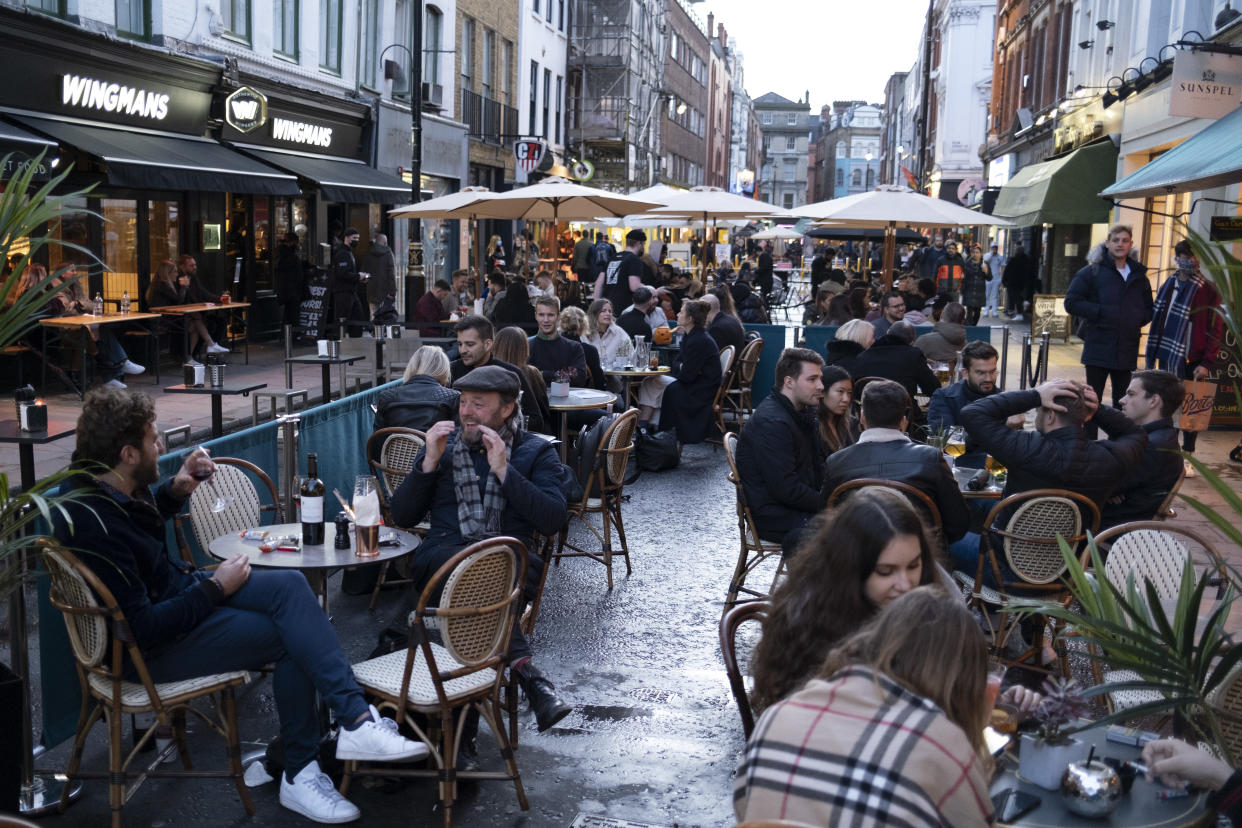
(415, 283)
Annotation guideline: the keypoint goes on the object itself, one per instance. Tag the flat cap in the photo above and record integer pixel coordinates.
(489, 378)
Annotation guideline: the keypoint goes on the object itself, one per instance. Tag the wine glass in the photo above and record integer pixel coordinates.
(222, 501)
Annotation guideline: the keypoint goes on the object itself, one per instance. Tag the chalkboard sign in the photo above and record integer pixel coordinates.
(1227, 374)
(1049, 315)
(315, 306)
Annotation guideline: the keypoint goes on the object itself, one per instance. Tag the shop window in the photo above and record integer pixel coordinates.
(547, 94)
(788, 200)
(74, 227)
(489, 62)
(285, 28)
(262, 252)
(163, 232)
(56, 7)
(368, 44)
(433, 37)
(235, 17)
(120, 247)
(330, 35)
(791, 142)
(133, 18)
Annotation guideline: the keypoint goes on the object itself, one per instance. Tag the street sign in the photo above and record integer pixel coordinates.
(528, 152)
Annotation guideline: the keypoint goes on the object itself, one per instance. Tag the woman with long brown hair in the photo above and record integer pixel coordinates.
(168, 287)
(836, 427)
(891, 728)
(512, 346)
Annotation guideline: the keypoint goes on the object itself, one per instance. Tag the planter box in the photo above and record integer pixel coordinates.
(1043, 764)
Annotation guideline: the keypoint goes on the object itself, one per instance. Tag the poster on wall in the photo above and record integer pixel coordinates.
(1228, 378)
(1049, 315)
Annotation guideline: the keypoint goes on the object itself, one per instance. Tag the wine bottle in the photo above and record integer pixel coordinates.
(312, 492)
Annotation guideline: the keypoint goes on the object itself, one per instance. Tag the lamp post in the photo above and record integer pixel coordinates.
(415, 282)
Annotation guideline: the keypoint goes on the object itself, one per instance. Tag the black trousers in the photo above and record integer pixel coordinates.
(1096, 377)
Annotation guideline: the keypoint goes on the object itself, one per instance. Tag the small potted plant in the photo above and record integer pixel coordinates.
(1045, 754)
(560, 388)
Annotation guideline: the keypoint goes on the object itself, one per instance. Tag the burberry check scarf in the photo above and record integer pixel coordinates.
(1170, 336)
(479, 515)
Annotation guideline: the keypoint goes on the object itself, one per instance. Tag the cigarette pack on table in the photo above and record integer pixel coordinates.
(1130, 735)
(254, 534)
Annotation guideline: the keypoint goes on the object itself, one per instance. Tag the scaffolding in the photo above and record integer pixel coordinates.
(615, 73)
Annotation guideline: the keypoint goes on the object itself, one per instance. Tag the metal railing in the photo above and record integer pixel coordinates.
(489, 120)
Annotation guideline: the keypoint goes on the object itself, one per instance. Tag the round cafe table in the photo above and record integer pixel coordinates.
(578, 399)
(630, 376)
(316, 562)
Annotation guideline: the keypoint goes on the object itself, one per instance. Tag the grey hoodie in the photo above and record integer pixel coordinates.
(943, 343)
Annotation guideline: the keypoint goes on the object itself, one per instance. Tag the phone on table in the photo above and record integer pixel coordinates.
(1013, 804)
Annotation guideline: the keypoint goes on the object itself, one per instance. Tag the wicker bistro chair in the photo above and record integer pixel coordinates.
(100, 637)
(730, 622)
(1156, 552)
(245, 511)
(739, 404)
(920, 499)
(1029, 545)
(601, 495)
(754, 550)
(482, 593)
(396, 448)
(1166, 509)
(728, 378)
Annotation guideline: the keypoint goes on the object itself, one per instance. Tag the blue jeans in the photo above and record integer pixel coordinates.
(274, 618)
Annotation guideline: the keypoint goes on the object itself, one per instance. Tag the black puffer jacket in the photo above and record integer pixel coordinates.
(1060, 459)
(1114, 311)
(920, 465)
(420, 403)
(780, 458)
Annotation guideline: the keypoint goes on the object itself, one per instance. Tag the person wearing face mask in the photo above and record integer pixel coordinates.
(344, 284)
(1186, 332)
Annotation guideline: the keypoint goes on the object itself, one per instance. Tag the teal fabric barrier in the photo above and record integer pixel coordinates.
(818, 336)
(337, 432)
(765, 373)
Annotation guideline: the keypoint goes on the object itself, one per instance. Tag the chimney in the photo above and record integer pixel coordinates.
(711, 22)
(721, 35)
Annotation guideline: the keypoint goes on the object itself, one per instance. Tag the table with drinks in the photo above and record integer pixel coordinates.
(578, 399)
(317, 546)
(83, 323)
(325, 361)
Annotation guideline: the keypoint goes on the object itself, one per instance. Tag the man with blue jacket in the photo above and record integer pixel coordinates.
(482, 479)
(1113, 298)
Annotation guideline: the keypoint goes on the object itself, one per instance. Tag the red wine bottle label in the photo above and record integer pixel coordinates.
(312, 509)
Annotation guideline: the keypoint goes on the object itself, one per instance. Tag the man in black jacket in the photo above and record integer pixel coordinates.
(893, 356)
(1058, 453)
(1150, 401)
(190, 622)
(484, 479)
(724, 328)
(552, 354)
(633, 319)
(474, 349)
(885, 451)
(779, 454)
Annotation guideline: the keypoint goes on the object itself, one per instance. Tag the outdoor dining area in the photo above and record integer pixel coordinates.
(1064, 654)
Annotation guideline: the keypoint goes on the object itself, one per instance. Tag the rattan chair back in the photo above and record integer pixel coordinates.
(730, 622)
(615, 448)
(482, 585)
(920, 499)
(1227, 699)
(85, 620)
(748, 361)
(750, 532)
(726, 359)
(1156, 552)
(397, 448)
(1037, 519)
(231, 480)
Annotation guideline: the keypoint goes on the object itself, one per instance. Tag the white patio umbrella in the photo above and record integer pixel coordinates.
(888, 206)
(782, 233)
(463, 204)
(712, 204)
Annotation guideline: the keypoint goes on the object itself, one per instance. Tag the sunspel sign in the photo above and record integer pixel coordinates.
(1205, 84)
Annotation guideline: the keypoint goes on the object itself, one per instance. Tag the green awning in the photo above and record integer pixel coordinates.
(1211, 158)
(1062, 191)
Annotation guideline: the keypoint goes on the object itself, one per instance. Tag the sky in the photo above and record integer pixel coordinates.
(837, 49)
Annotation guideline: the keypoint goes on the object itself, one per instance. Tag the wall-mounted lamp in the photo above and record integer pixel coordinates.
(1086, 44)
(1104, 25)
(681, 108)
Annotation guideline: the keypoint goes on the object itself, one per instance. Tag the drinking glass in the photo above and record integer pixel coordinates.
(956, 445)
(222, 501)
(366, 516)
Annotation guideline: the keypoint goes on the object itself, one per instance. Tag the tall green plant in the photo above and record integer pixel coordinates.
(28, 215)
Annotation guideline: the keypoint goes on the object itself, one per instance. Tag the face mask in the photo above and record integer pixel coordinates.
(1186, 265)
(353, 242)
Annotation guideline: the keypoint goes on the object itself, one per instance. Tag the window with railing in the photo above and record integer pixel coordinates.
(489, 62)
(465, 52)
(487, 120)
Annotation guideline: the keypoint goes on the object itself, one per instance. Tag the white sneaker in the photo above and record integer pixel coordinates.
(311, 794)
(377, 740)
(194, 362)
(217, 349)
(132, 368)
(115, 383)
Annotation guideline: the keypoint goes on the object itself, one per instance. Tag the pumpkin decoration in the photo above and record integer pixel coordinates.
(662, 335)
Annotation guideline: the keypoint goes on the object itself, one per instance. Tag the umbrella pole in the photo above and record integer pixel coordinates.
(478, 257)
(890, 253)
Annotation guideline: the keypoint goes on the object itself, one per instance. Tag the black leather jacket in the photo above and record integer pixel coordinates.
(780, 458)
(917, 464)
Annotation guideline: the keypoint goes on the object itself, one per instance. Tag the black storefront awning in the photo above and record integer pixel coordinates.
(338, 179)
(151, 161)
(21, 147)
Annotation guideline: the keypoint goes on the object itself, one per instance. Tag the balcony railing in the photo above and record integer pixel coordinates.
(489, 121)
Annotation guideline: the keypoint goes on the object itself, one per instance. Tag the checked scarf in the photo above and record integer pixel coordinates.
(1170, 335)
(479, 515)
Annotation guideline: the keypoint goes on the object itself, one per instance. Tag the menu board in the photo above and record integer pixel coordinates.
(1049, 315)
(1227, 374)
(315, 306)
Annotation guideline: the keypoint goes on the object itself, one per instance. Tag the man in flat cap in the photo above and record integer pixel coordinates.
(624, 274)
(482, 479)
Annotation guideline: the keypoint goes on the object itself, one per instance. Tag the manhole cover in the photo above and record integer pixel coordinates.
(594, 821)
